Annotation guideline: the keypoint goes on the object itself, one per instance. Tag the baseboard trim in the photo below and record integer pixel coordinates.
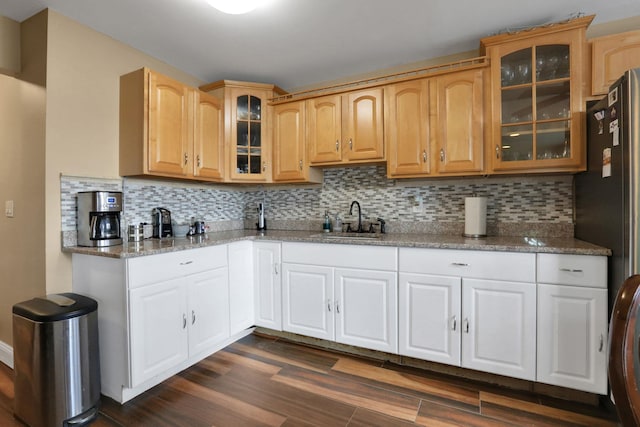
(6, 354)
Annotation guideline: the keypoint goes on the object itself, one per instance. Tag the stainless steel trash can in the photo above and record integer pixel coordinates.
(56, 360)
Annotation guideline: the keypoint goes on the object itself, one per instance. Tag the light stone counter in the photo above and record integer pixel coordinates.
(503, 243)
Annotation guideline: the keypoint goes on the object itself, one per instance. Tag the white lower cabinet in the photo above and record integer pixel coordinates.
(241, 286)
(572, 322)
(341, 292)
(157, 314)
(268, 285)
(454, 310)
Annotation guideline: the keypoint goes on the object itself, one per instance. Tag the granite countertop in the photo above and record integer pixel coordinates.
(502, 243)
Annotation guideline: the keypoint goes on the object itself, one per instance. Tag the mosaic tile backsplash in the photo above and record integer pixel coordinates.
(516, 206)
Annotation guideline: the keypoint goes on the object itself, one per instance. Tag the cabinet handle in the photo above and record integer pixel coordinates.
(497, 152)
(442, 154)
(569, 270)
(338, 306)
(454, 324)
(466, 325)
(300, 164)
(198, 160)
(184, 320)
(186, 158)
(328, 304)
(275, 268)
(424, 156)
(186, 263)
(350, 144)
(264, 166)
(193, 317)
(459, 264)
(601, 347)
(337, 145)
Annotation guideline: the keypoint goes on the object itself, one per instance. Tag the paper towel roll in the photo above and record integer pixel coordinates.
(475, 216)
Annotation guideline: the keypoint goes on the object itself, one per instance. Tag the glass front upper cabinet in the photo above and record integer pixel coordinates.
(535, 104)
(249, 156)
(537, 99)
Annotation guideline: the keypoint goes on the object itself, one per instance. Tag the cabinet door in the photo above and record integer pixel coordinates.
(324, 127)
(289, 160)
(158, 324)
(611, 56)
(366, 309)
(241, 304)
(429, 313)
(499, 327)
(407, 128)
(268, 287)
(208, 310)
(308, 301)
(208, 138)
(249, 146)
(572, 337)
(457, 100)
(170, 133)
(363, 125)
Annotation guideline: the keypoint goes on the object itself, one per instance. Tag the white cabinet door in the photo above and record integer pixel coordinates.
(308, 301)
(429, 317)
(499, 327)
(267, 286)
(240, 286)
(366, 309)
(158, 328)
(572, 337)
(208, 310)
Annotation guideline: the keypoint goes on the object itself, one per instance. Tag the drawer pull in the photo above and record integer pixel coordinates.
(571, 270)
(328, 305)
(466, 325)
(460, 264)
(338, 306)
(193, 317)
(601, 347)
(454, 324)
(337, 145)
(184, 321)
(275, 269)
(186, 263)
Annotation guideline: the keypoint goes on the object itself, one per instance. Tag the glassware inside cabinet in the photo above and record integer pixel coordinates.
(516, 67)
(553, 140)
(552, 100)
(248, 134)
(517, 143)
(552, 62)
(516, 105)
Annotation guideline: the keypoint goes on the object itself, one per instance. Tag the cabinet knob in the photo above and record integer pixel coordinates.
(264, 166)
(184, 321)
(454, 323)
(466, 325)
(442, 154)
(337, 145)
(193, 317)
(601, 347)
(275, 269)
(350, 144)
(300, 164)
(198, 160)
(497, 152)
(338, 306)
(424, 156)
(186, 158)
(328, 305)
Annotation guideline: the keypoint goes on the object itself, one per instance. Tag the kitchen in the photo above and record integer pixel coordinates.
(79, 128)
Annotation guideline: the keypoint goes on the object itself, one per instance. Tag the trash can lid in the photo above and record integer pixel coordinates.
(55, 307)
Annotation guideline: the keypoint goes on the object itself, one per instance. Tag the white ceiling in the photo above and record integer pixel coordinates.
(295, 43)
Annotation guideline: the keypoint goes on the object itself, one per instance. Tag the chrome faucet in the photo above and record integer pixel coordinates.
(355, 202)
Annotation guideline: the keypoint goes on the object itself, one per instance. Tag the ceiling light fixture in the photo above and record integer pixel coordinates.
(236, 7)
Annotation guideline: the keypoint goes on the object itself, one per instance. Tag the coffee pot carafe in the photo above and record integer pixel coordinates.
(99, 218)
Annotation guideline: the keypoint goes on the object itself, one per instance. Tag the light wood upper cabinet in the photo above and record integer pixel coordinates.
(407, 129)
(290, 162)
(168, 129)
(346, 128)
(537, 98)
(209, 137)
(611, 56)
(456, 101)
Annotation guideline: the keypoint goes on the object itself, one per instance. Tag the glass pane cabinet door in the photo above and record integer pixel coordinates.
(249, 132)
(535, 104)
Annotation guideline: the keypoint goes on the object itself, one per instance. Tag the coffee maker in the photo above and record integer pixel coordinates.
(161, 222)
(99, 218)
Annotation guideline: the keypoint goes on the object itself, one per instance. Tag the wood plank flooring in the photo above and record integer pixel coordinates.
(264, 381)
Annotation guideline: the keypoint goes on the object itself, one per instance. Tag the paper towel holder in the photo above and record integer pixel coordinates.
(475, 224)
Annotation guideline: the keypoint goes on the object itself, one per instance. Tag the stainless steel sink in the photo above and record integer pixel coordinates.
(348, 236)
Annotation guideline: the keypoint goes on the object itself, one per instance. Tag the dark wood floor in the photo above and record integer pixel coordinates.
(263, 381)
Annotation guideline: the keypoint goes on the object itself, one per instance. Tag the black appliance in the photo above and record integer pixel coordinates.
(162, 223)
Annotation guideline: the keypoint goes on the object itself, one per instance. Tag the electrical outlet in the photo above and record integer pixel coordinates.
(8, 208)
(417, 204)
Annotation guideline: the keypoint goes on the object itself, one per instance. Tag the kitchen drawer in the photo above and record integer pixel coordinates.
(345, 256)
(576, 270)
(157, 268)
(513, 266)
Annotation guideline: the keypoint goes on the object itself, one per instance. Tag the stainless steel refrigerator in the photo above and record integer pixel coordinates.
(607, 195)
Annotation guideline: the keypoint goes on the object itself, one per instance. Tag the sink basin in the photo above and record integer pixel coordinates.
(348, 236)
